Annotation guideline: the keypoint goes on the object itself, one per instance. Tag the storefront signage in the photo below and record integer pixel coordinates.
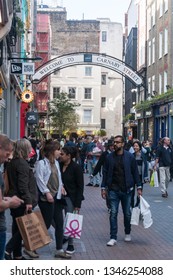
(86, 58)
(148, 114)
(32, 118)
(163, 110)
(25, 68)
(139, 115)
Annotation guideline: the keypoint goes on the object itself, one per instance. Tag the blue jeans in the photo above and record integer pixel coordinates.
(114, 198)
(2, 244)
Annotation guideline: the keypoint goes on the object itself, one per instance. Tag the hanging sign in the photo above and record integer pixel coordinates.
(27, 96)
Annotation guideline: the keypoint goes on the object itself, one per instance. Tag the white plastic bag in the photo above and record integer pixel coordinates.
(73, 225)
(146, 213)
(156, 181)
(135, 216)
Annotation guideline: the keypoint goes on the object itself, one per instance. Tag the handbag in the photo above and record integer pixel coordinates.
(152, 180)
(33, 230)
(135, 217)
(73, 225)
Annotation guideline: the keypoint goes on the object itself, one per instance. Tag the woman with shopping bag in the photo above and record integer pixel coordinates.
(49, 182)
(22, 184)
(72, 177)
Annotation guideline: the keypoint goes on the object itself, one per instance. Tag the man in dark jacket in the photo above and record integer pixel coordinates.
(120, 176)
(164, 157)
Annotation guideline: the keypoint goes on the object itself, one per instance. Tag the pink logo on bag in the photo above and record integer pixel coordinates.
(73, 229)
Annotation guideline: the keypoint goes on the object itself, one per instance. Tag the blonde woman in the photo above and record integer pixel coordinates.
(22, 182)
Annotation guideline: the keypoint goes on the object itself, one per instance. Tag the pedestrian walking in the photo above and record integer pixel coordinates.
(164, 157)
(23, 184)
(120, 176)
(72, 177)
(6, 148)
(49, 182)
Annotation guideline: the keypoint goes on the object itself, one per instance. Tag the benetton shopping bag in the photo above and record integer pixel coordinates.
(33, 230)
(135, 217)
(73, 225)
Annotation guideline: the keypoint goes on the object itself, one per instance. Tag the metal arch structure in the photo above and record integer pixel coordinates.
(97, 59)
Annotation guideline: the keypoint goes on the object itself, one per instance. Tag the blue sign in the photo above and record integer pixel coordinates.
(87, 57)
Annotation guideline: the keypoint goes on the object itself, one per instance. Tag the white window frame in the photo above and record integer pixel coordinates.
(149, 85)
(88, 93)
(153, 83)
(160, 83)
(104, 36)
(88, 71)
(160, 44)
(103, 102)
(153, 50)
(153, 13)
(101, 122)
(160, 8)
(149, 53)
(165, 6)
(87, 116)
(165, 80)
(72, 92)
(165, 41)
(56, 92)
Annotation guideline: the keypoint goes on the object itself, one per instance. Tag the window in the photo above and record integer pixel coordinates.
(72, 93)
(165, 41)
(149, 85)
(103, 123)
(153, 50)
(103, 102)
(87, 93)
(160, 83)
(56, 92)
(104, 36)
(160, 44)
(165, 5)
(165, 81)
(149, 53)
(103, 79)
(160, 8)
(153, 83)
(88, 71)
(87, 116)
(153, 10)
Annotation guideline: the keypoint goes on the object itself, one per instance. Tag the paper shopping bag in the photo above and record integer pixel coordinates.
(135, 216)
(33, 230)
(73, 225)
(152, 180)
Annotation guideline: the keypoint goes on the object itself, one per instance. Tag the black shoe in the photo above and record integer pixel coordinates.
(7, 256)
(89, 185)
(96, 186)
(70, 249)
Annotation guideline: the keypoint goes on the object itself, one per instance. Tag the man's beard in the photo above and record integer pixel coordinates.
(117, 149)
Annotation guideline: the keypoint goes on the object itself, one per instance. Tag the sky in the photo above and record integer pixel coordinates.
(92, 9)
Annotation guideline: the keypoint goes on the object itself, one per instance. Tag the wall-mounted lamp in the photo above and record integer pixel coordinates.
(134, 90)
(154, 93)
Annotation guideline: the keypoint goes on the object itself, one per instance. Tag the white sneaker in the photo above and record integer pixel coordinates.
(127, 238)
(111, 242)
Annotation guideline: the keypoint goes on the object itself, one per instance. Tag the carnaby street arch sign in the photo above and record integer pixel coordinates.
(97, 59)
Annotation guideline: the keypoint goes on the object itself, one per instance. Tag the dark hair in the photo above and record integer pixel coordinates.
(70, 151)
(120, 136)
(139, 144)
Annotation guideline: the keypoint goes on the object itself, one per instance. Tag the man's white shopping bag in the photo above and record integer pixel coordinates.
(156, 181)
(135, 216)
(146, 213)
(73, 225)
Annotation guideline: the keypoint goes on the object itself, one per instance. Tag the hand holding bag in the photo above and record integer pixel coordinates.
(135, 216)
(33, 230)
(73, 225)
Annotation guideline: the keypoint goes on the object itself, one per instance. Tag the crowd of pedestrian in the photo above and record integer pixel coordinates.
(49, 174)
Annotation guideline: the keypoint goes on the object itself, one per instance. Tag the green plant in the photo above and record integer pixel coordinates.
(20, 27)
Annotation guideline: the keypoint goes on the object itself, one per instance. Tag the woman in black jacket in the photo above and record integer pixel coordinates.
(22, 184)
(72, 178)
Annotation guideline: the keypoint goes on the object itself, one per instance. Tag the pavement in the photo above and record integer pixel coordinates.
(154, 243)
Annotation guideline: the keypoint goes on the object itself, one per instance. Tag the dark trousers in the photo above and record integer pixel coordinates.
(53, 213)
(14, 245)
